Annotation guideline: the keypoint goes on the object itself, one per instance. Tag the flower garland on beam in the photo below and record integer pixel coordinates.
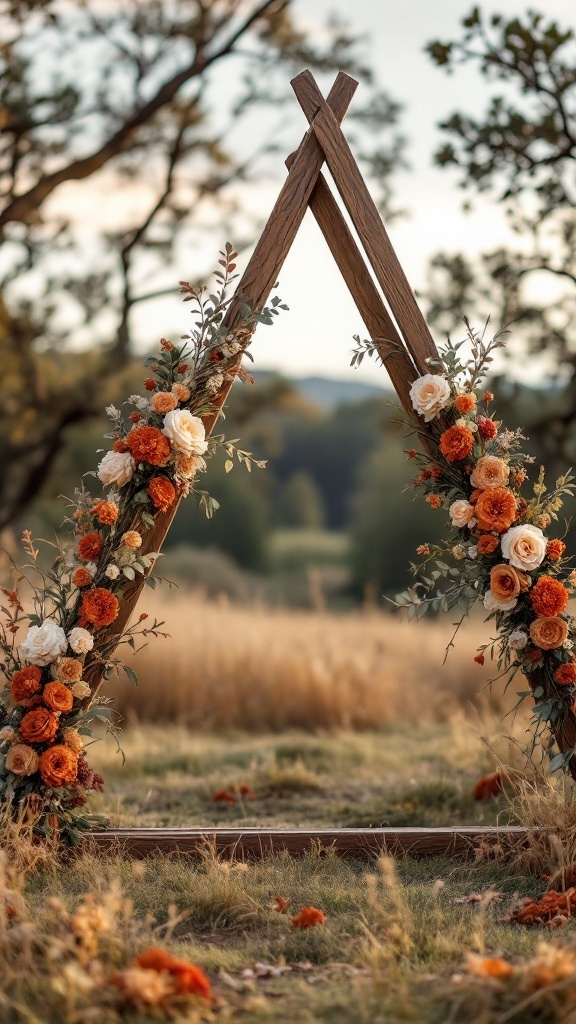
(47, 706)
(499, 550)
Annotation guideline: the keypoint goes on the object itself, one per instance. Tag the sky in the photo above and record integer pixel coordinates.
(315, 336)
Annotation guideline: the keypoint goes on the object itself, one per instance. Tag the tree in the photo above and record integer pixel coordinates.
(300, 503)
(521, 150)
(169, 109)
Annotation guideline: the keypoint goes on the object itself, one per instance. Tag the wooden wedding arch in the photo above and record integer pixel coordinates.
(401, 336)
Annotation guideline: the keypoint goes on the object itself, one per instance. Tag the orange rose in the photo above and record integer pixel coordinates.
(487, 544)
(106, 512)
(58, 765)
(548, 596)
(495, 509)
(548, 632)
(162, 493)
(489, 471)
(148, 444)
(99, 607)
(57, 697)
(90, 547)
(39, 726)
(456, 443)
(506, 582)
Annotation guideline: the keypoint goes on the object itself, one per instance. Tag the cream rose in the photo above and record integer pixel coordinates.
(116, 468)
(490, 472)
(80, 640)
(22, 759)
(43, 644)
(430, 394)
(517, 640)
(7, 734)
(80, 689)
(524, 546)
(461, 513)
(494, 604)
(185, 432)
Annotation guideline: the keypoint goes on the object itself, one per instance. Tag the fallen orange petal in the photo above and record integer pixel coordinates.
(308, 917)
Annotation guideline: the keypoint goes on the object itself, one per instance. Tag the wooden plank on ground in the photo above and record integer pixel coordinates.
(346, 842)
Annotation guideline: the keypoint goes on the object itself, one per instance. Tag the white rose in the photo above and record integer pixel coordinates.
(472, 551)
(517, 640)
(112, 572)
(524, 547)
(492, 604)
(185, 432)
(461, 512)
(430, 394)
(116, 468)
(80, 640)
(43, 644)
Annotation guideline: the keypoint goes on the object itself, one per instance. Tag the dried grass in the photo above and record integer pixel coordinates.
(253, 668)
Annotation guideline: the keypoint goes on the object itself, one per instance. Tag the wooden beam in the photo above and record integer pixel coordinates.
(367, 221)
(255, 843)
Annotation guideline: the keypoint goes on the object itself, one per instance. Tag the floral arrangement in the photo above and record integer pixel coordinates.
(159, 447)
(501, 549)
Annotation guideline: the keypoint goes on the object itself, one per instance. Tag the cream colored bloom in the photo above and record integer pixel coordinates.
(141, 985)
(116, 468)
(517, 640)
(493, 604)
(43, 644)
(7, 734)
(22, 759)
(73, 739)
(80, 689)
(430, 394)
(188, 465)
(461, 513)
(524, 546)
(131, 539)
(185, 432)
(490, 471)
(112, 572)
(80, 640)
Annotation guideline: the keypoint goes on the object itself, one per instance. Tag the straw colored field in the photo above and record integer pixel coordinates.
(255, 668)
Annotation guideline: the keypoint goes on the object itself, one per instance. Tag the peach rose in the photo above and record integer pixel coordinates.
(524, 546)
(185, 432)
(164, 402)
(548, 632)
(132, 539)
(22, 759)
(506, 582)
(461, 513)
(430, 394)
(489, 472)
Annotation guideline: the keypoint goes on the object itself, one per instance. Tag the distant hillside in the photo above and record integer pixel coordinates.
(328, 393)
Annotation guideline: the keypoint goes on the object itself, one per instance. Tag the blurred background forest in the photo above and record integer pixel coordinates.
(139, 133)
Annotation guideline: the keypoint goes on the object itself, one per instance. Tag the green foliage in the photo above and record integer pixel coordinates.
(300, 502)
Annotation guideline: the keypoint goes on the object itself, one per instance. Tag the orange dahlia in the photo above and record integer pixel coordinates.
(39, 726)
(548, 596)
(81, 577)
(148, 444)
(487, 544)
(99, 607)
(162, 493)
(57, 697)
(566, 674)
(25, 683)
(456, 443)
(106, 512)
(465, 403)
(496, 509)
(308, 917)
(58, 765)
(555, 549)
(186, 976)
(90, 547)
(120, 446)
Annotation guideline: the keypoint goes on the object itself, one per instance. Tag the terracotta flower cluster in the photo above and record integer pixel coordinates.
(500, 550)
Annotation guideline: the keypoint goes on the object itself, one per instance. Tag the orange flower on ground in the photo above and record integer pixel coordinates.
(507, 582)
(81, 577)
(148, 444)
(162, 493)
(164, 402)
(39, 726)
(106, 512)
(465, 403)
(57, 697)
(487, 544)
(566, 674)
(548, 907)
(58, 765)
(496, 509)
(99, 607)
(188, 978)
(548, 596)
(69, 669)
(456, 443)
(280, 905)
(491, 785)
(548, 633)
(25, 683)
(488, 967)
(90, 547)
(555, 549)
(132, 539)
(308, 917)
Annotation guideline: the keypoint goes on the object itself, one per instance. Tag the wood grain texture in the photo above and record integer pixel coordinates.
(372, 233)
(256, 843)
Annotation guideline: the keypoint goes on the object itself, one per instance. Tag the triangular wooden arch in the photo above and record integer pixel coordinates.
(396, 325)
